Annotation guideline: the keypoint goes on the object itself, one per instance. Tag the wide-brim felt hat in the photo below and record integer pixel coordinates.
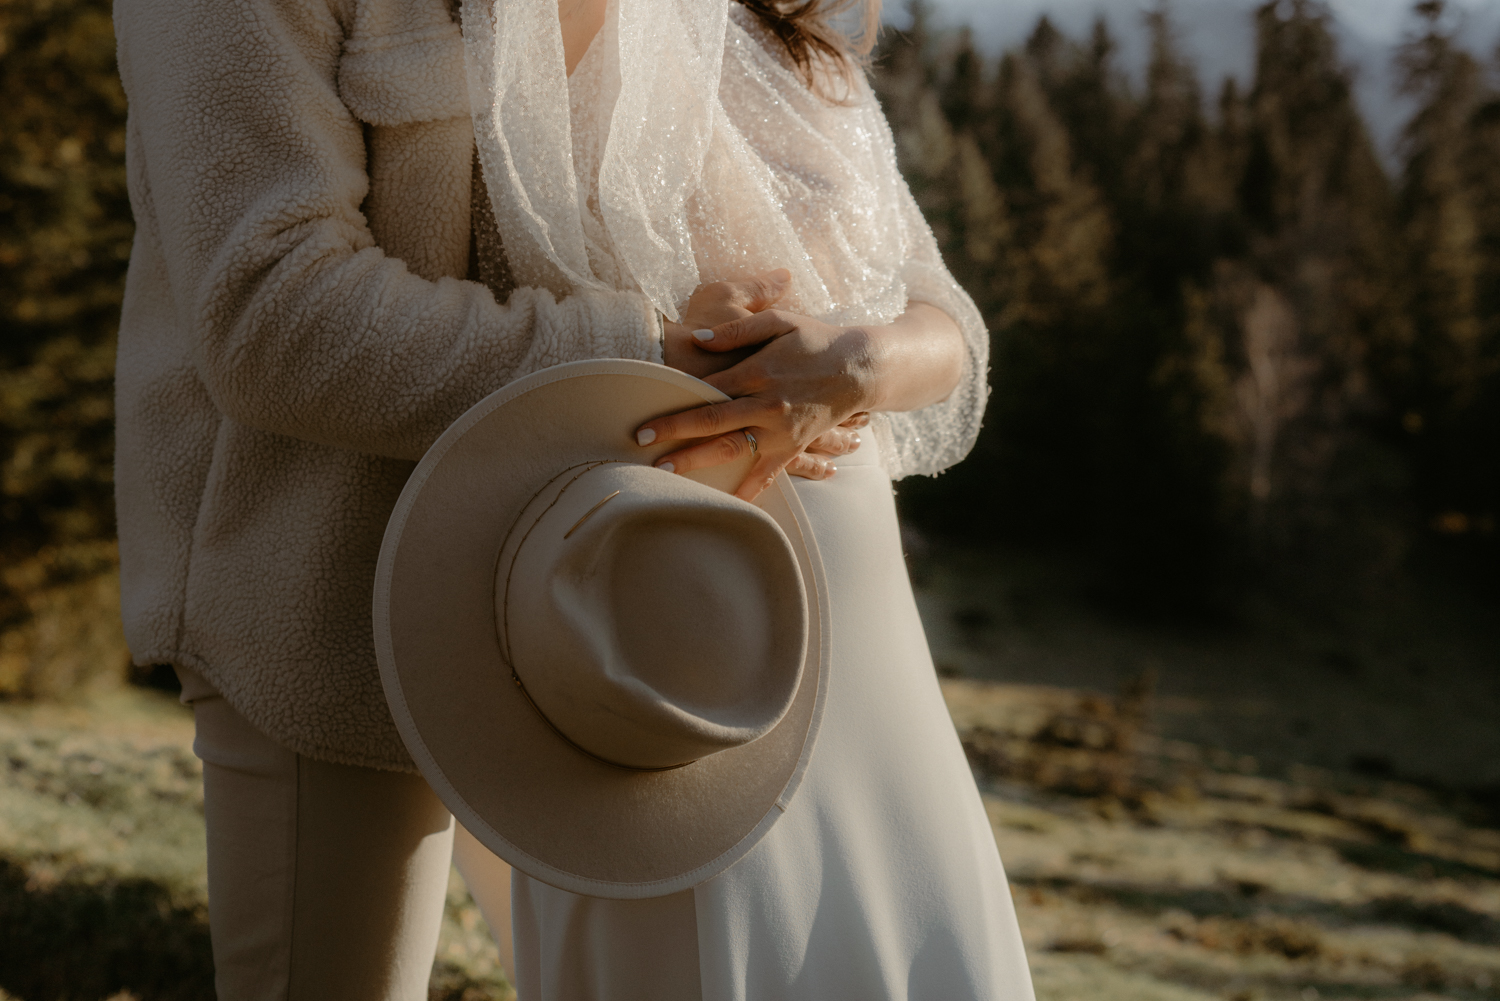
(545, 659)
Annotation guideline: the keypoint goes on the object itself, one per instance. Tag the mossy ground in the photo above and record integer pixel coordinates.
(1144, 867)
(102, 860)
(1175, 872)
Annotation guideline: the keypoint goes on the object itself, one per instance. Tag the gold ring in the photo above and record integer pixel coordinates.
(754, 445)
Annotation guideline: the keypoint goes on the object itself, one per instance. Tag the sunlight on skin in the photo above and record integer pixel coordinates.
(581, 21)
(806, 380)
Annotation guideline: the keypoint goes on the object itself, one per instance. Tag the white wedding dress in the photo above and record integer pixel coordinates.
(882, 880)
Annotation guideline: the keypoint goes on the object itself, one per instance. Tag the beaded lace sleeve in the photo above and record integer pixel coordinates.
(938, 436)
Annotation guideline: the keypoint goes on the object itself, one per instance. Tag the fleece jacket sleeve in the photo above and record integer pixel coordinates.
(253, 179)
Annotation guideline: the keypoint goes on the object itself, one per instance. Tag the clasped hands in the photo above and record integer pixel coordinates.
(801, 387)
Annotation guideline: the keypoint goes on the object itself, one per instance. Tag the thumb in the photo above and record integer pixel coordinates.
(763, 291)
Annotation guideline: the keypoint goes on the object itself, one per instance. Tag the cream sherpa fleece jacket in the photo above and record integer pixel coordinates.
(295, 334)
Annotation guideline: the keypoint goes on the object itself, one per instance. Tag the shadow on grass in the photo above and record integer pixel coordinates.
(1447, 918)
(75, 941)
(1404, 862)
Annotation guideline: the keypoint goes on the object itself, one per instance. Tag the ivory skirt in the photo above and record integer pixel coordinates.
(881, 881)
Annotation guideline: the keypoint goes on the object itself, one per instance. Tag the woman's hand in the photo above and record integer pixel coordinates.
(711, 305)
(806, 380)
(718, 303)
(810, 385)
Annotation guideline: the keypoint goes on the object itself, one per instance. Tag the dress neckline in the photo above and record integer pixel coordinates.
(588, 53)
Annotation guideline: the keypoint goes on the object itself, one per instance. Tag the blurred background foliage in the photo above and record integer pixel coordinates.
(1237, 352)
(1242, 359)
(1232, 352)
(65, 233)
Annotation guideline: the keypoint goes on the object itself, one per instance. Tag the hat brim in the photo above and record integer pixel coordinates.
(533, 799)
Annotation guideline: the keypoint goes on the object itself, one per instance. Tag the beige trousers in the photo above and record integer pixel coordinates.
(325, 882)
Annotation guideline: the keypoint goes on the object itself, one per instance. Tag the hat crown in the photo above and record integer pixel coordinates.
(651, 620)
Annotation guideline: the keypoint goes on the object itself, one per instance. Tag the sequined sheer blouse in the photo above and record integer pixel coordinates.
(790, 179)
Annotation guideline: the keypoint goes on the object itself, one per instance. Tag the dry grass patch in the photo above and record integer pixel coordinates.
(1152, 868)
(1143, 869)
(103, 870)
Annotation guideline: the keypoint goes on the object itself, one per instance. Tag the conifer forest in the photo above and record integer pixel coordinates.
(1245, 374)
(1230, 341)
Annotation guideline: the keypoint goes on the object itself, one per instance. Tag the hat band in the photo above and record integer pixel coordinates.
(504, 635)
(578, 747)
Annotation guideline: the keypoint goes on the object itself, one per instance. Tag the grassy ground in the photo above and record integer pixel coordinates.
(102, 867)
(1147, 868)
(1153, 856)
(1284, 807)
(1400, 680)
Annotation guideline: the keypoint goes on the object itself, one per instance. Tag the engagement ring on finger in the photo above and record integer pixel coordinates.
(754, 445)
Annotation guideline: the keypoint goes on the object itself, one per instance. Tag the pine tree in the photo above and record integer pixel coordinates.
(65, 232)
(1091, 441)
(64, 239)
(1444, 379)
(1318, 287)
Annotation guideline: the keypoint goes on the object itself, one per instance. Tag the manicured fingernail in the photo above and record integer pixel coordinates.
(667, 467)
(832, 470)
(704, 335)
(781, 275)
(645, 436)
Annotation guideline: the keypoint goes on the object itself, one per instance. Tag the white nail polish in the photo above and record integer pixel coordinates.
(704, 335)
(667, 467)
(645, 436)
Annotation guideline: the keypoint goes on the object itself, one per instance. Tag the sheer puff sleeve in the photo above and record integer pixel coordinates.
(930, 440)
